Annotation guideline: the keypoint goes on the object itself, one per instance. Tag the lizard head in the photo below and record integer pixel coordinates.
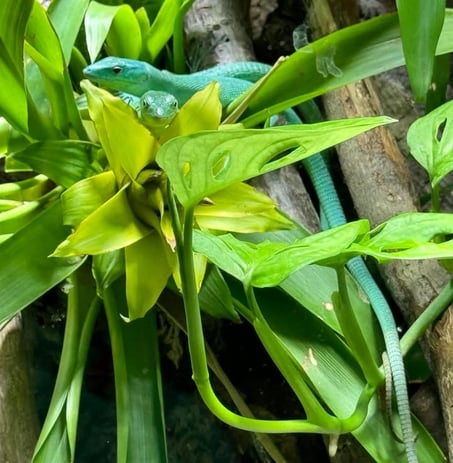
(157, 109)
(119, 74)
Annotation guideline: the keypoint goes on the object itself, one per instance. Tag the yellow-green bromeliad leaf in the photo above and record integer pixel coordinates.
(203, 111)
(85, 196)
(128, 145)
(149, 264)
(112, 226)
(240, 208)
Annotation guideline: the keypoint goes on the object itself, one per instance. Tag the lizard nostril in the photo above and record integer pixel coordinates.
(116, 69)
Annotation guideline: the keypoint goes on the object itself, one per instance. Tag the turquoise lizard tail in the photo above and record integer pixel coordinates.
(333, 212)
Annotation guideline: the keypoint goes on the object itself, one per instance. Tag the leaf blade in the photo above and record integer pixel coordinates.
(203, 163)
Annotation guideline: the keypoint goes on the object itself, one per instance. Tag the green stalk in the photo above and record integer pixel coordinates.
(120, 372)
(179, 61)
(53, 427)
(73, 400)
(429, 315)
(435, 198)
(314, 410)
(198, 353)
(58, 435)
(352, 332)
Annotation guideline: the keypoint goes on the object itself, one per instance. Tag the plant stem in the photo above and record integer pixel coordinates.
(179, 62)
(429, 315)
(352, 332)
(435, 198)
(198, 353)
(291, 370)
(112, 312)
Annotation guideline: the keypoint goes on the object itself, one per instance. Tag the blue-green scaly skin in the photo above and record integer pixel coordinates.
(137, 77)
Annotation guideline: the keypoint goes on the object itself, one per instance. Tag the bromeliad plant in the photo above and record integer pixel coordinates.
(122, 230)
(125, 206)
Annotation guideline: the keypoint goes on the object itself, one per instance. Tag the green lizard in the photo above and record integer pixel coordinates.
(154, 108)
(137, 77)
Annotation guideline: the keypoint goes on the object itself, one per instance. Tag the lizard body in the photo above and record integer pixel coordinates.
(137, 77)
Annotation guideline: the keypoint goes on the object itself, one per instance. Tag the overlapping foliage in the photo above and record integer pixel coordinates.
(98, 205)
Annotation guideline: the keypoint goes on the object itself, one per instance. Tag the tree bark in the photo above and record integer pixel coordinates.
(18, 420)
(373, 167)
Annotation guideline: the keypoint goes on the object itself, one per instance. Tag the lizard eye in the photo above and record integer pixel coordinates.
(116, 69)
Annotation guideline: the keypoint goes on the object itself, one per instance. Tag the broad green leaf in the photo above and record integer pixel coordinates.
(294, 370)
(234, 256)
(201, 164)
(406, 230)
(320, 355)
(430, 139)
(128, 145)
(161, 29)
(268, 263)
(64, 161)
(410, 236)
(84, 197)
(320, 247)
(143, 20)
(27, 271)
(178, 39)
(13, 103)
(240, 208)
(138, 389)
(420, 24)
(356, 52)
(110, 227)
(98, 20)
(52, 83)
(149, 256)
(107, 268)
(125, 37)
(15, 218)
(116, 24)
(146, 405)
(215, 296)
(67, 17)
(25, 190)
(10, 139)
(13, 20)
(58, 435)
(43, 44)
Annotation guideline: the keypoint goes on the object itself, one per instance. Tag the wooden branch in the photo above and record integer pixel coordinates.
(379, 181)
(18, 419)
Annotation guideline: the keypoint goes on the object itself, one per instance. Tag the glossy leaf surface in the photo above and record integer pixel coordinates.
(420, 25)
(27, 271)
(206, 162)
(430, 139)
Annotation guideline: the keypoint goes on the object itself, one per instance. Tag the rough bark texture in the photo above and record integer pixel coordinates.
(380, 184)
(217, 33)
(18, 420)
